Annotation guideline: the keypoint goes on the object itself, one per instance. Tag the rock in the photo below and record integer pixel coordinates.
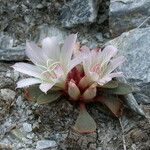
(18, 134)
(8, 49)
(80, 141)
(134, 45)
(143, 96)
(42, 144)
(7, 94)
(19, 101)
(103, 12)
(99, 37)
(27, 127)
(77, 12)
(128, 14)
(12, 54)
(30, 135)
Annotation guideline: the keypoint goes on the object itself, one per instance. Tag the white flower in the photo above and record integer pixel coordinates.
(99, 65)
(52, 62)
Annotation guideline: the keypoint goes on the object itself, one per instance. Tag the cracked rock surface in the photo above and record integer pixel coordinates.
(25, 125)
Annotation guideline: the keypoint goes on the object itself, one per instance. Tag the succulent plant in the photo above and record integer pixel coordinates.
(84, 75)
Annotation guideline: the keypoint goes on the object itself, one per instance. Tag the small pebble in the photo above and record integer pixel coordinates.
(27, 127)
(45, 144)
(7, 94)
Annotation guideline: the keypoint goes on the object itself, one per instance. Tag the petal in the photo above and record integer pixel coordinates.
(114, 64)
(44, 87)
(116, 74)
(85, 49)
(27, 82)
(87, 64)
(59, 72)
(51, 47)
(107, 53)
(104, 80)
(73, 90)
(28, 69)
(35, 53)
(94, 76)
(67, 49)
(75, 62)
(84, 82)
(90, 93)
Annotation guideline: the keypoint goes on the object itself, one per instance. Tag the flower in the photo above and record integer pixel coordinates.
(80, 73)
(99, 65)
(52, 62)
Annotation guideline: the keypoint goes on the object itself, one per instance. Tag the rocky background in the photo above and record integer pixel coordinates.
(25, 125)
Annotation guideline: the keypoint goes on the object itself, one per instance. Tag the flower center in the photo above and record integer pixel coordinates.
(96, 68)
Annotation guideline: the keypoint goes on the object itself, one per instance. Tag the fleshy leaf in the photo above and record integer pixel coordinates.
(33, 93)
(110, 85)
(113, 103)
(84, 123)
(51, 96)
(122, 89)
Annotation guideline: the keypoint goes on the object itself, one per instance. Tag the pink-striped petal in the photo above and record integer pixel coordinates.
(114, 64)
(104, 80)
(74, 62)
(35, 53)
(116, 74)
(27, 82)
(107, 53)
(51, 48)
(85, 49)
(67, 49)
(44, 87)
(28, 69)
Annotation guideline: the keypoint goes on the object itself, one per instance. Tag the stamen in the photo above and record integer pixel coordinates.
(49, 60)
(53, 66)
(41, 66)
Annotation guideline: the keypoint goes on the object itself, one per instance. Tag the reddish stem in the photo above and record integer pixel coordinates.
(82, 106)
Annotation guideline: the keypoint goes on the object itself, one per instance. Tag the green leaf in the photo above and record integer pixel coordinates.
(84, 123)
(122, 89)
(110, 85)
(33, 93)
(114, 104)
(50, 97)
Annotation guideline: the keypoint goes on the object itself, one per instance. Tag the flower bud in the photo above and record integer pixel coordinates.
(73, 90)
(84, 82)
(90, 93)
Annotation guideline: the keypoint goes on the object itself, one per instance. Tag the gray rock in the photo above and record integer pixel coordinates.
(27, 127)
(134, 45)
(77, 12)
(99, 37)
(143, 96)
(7, 94)
(103, 12)
(8, 49)
(12, 54)
(42, 144)
(128, 14)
